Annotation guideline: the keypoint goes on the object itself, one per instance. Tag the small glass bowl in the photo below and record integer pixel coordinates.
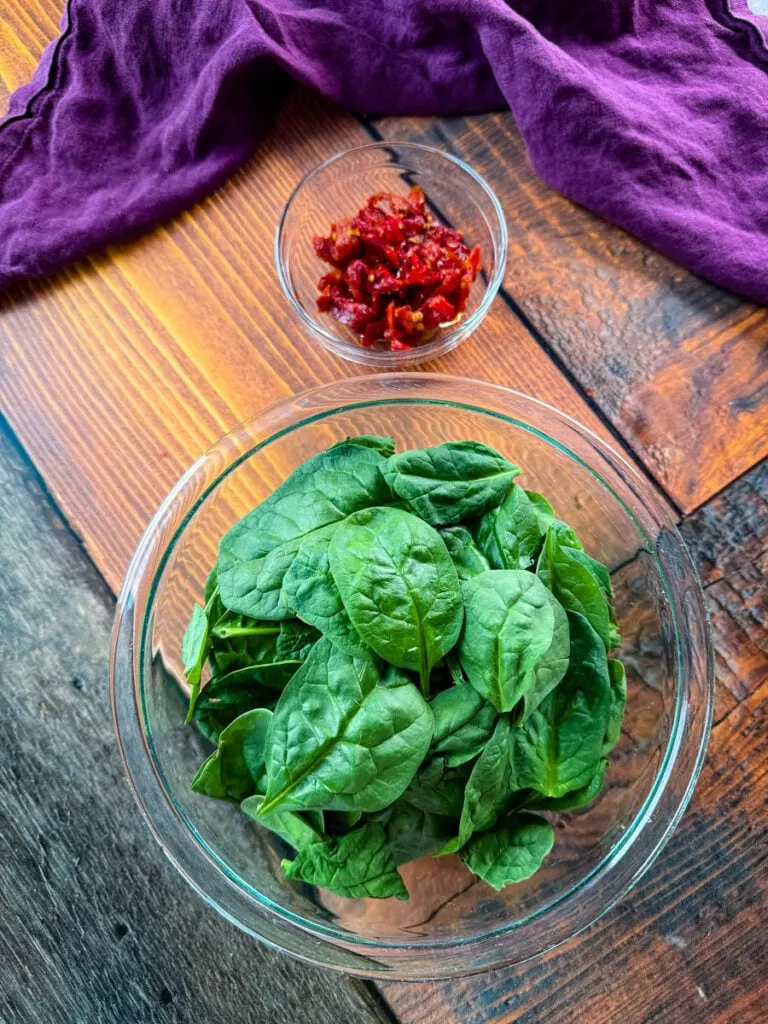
(453, 924)
(456, 195)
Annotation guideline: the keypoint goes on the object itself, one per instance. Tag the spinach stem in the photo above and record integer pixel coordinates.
(424, 680)
(225, 632)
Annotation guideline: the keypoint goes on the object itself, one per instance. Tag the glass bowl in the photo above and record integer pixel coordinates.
(456, 195)
(453, 925)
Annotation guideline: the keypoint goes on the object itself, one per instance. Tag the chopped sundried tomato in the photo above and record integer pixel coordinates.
(398, 275)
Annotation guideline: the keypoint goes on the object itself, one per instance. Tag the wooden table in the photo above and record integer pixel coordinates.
(117, 373)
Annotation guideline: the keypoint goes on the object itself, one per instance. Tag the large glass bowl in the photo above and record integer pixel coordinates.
(457, 196)
(453, 924)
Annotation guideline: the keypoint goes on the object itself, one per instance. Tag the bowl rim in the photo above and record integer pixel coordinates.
(446, 340)
(338, 937)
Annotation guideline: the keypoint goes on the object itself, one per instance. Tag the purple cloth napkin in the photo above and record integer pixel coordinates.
(652, 113)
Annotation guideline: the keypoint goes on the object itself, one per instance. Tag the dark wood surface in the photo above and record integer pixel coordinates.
(120, 371)
(96, 927)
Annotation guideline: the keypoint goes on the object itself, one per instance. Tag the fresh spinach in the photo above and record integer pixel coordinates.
(559, 746)
(256, 553)
(341, 739)
(574, 585)
(575, 798)
(438, 789)
(463, 724)
(467, 557)
(358, 864)
(399, 587)
(489, 786)
(617, 704)
(509, 627)
(553, 664)
(512, 852)
(451, 482)
(366, 566)
(298, 830)
(509, 536)
(413, 833)
(311, 592)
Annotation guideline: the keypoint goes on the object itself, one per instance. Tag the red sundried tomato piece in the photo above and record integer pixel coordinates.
(437, 310)
(398, 275)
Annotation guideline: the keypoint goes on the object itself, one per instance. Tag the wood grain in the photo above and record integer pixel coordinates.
(95, 924)
(678, 366)
(689, 943)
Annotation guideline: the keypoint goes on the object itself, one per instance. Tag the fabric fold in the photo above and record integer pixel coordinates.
(651, 113)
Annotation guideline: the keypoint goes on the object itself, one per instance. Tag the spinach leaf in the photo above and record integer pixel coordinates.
(310, 590)
(296, 640)
(544, 511)
(490, 784)
(413, 833)
(298, 830)
(617, 703)
(451, 482)
(256, 553)
(509, 626)
(567, 535)
(194, 650)
(232, 770)
(576, 798)
(384, 445)
(341, 739)
(574, 585)
(467, 557)
(208, 780)
(558, 748)
(463, 724)
(509, 535)
(358, 864)
(438, 789)
(554, 662)
(399, 587)
(211, 585)
(510, 853)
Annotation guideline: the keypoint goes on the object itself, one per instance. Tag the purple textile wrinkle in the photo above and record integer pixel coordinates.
(652, 113)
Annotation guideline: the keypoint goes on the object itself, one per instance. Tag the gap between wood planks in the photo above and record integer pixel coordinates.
(584, 393)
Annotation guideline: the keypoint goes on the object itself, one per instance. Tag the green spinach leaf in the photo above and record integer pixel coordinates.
(544, 511)
(194, 650)
(311, 591)
(451, 482)
(509, 627)
(617, 704)
(342, 739)
(358, 864)
(554, 662)
(490, 784)
(413, 833)
(463, 724)
(467, 557)
(237, 763)
(573, 800)
(399, 587)
(438, 789)
(510, 853)
(509, 535)
(256, 553)
(384, 445)
(559, 746)
(298, 830)
(574, 585)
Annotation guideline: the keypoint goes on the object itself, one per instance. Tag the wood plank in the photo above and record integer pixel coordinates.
(678, 365)
(96, 925)
(689, 943)
(122, 370)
